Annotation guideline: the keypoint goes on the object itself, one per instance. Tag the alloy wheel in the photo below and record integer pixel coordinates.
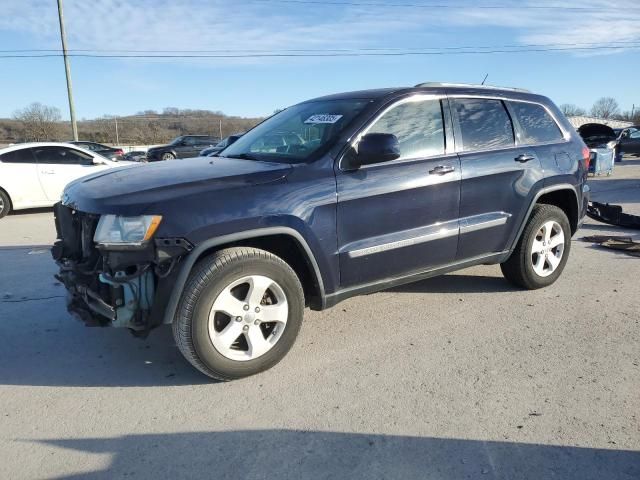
(547, 248)
(248, 318)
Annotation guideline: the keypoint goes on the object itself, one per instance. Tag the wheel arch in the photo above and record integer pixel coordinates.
(563, 196)
(284, 242)
(566, 200)
(6, 192)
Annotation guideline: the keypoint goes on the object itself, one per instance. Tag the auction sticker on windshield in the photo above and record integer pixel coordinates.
(323, 118)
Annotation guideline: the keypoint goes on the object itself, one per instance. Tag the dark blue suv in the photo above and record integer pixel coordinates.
(333, 197)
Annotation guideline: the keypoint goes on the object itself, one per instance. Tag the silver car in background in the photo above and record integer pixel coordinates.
(602, 142)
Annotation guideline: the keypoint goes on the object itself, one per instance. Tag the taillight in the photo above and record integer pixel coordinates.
(119, 151)
(586, 155)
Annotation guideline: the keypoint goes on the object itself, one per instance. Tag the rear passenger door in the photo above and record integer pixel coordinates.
(19, 177)
(497, 175)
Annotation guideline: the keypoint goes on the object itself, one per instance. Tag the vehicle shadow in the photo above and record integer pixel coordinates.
(284, 454)
(457, 283)
(44, 346)
(28, 211)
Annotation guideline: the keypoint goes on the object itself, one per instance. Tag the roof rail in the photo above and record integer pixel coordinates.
(471, 85)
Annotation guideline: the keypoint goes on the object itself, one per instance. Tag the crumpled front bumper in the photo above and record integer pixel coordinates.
(113, 287)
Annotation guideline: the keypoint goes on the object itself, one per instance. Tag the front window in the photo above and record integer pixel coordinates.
(177, 141)
(298, 132)
(418, 126)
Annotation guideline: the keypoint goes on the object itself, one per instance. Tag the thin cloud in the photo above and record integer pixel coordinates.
(197, 25)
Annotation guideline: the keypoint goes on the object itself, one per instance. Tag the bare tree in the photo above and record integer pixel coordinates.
(39, 122)
(571, 110)
(605, 107)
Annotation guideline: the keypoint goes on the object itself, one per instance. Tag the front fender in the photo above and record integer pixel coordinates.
(190, 260)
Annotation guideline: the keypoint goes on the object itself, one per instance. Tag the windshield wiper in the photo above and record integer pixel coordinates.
(241, 156)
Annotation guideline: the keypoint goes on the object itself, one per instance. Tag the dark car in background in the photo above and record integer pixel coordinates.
(136, 156)
(334, 197)
(111, 153)
(629, 141)
(184, 146)
(221, 145)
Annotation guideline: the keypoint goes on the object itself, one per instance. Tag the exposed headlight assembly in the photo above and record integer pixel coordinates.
(117, 230)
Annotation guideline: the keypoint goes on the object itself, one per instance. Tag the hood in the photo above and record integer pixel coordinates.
(132, 189)
(595, 134)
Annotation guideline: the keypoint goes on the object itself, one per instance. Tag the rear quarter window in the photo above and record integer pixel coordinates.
(18, 156)
(484, 124)
(536, 124)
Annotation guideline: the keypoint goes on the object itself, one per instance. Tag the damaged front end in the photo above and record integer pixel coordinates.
(115, 283)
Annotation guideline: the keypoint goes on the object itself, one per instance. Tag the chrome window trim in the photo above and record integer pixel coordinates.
(566, 136)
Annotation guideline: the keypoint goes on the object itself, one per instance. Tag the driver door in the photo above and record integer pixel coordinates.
(630, 141)
(189, 148)
(400, 217)
(57, 166)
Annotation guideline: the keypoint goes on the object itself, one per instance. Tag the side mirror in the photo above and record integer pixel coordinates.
(377, 148)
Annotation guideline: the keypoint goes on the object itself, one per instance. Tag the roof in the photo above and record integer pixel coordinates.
(429, 87)
(17, 146)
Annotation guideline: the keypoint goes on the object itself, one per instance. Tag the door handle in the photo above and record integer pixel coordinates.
(525, 157)
(442, 170)
(48, 172)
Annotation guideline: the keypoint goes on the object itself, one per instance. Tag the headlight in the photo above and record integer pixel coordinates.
(131, 231)
(612, 144)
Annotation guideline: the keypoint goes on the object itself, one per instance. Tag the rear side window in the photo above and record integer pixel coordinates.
(418, 125)
(62, 156)
(537, 125)
(18, 156)
(484, 124)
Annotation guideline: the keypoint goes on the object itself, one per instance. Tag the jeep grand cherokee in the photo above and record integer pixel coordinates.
(384, 187)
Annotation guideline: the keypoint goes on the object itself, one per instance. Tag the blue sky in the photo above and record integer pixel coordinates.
(257, 86)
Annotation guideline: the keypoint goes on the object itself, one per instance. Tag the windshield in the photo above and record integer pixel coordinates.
(176, 140)
(298, 132)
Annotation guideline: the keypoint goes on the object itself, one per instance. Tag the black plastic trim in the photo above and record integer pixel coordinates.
(190, 260)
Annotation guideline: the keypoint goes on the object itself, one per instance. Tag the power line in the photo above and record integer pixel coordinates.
(430, 5)
(304, 50)
(330, 53)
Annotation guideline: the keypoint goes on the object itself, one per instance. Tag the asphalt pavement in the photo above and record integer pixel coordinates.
(461, 376)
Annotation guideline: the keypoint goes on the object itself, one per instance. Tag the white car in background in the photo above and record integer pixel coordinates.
(34, 174)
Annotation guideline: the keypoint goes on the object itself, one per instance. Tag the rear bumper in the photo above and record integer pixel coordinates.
(586, 198)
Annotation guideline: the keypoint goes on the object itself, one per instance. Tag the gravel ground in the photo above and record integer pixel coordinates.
(460, 376)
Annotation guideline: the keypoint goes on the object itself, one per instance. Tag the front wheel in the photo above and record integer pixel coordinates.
(168, 156)
(542, 251)
(239, 314)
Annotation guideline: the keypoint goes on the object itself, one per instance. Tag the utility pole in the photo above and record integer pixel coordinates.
(117, 137)
(67, 69)
(221, 129)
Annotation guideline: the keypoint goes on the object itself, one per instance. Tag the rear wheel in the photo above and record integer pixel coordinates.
(5, 204)
(542, 251)
(239, 314)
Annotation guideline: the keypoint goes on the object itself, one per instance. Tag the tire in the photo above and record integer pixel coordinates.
(168, 156)
(531, 269)
(213, 309)
(5, 204)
